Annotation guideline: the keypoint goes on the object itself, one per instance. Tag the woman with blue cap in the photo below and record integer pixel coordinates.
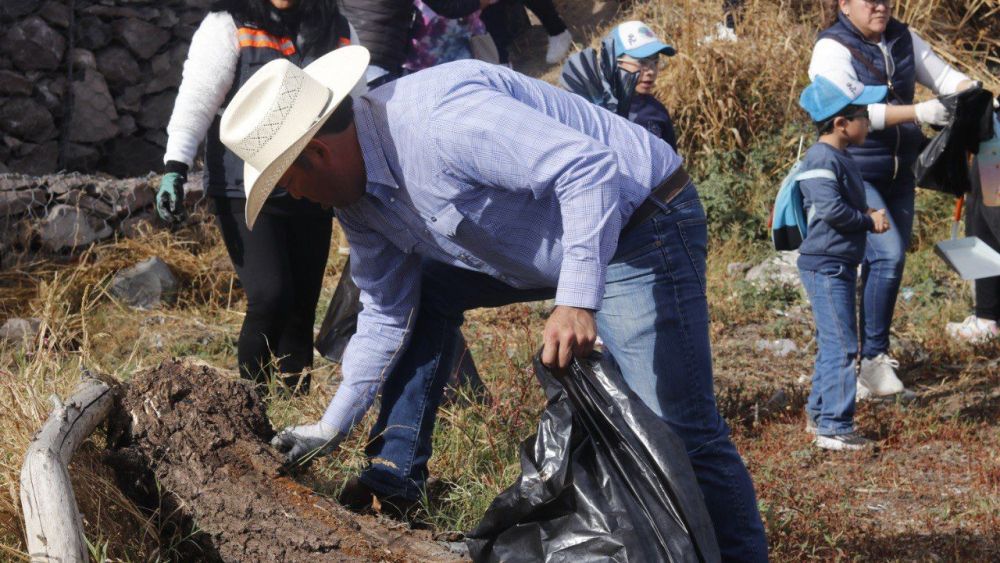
(621, 77)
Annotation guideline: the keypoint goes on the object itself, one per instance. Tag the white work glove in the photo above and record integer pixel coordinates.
(932, 112)
(302, 444)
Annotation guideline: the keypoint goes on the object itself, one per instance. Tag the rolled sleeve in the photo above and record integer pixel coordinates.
(508, 148)
(389, 281)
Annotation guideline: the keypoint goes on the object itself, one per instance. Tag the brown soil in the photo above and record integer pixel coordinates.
(204, 437)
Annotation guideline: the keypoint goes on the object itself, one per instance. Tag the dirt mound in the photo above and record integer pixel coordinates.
(203, 437)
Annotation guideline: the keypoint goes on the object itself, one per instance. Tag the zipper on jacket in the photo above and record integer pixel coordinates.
(888, 82)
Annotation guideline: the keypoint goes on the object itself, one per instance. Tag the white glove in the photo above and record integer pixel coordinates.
(932, 112)
(302, 444)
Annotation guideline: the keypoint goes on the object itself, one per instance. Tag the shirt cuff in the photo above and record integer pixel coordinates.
(181, 146)
(581, 284)
(876, 114)
(344, 410)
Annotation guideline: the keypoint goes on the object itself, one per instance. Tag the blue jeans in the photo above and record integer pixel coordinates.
(882, 269)
(654, 320)
(832, 293)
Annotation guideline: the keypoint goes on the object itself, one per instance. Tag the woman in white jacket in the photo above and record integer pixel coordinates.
(865, 43)
(280, 263)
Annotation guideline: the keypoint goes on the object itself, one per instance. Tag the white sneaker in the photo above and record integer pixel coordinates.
(973, 330)
(558, 47)
(722, 33)
(878, 377)
(852, 441)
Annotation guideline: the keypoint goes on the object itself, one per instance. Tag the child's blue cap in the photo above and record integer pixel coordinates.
(635, 39)
(826, 96)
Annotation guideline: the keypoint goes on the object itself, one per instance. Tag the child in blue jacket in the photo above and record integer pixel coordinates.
(838, 221)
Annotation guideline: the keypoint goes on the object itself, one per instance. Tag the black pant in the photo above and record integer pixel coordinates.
(280, 264)
(984, 222)
(497, 19)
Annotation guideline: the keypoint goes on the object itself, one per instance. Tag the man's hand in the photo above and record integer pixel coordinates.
(570, 331)
(302, 444)
(880, 220)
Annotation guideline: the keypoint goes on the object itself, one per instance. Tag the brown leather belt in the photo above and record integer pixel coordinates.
(663, 193)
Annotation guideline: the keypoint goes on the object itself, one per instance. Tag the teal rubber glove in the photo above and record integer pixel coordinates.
(170, 196)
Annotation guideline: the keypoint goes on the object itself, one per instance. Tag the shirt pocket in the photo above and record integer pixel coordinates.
(445, 221)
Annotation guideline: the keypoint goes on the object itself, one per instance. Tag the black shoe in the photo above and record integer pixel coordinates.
(361, 498)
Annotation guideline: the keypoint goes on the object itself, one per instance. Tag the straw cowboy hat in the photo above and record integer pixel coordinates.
(278, 110)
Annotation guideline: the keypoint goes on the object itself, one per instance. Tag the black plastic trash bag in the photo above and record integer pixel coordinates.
(604, 479)
(943, 165)
(341, 320)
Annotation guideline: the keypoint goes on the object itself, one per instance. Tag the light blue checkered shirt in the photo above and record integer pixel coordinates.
(483, 168)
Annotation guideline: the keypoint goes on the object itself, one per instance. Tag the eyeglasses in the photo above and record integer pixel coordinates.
(634, 65)
(875, 3)
(861, 113)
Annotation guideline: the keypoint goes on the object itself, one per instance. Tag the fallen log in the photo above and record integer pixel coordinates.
(52, 522)
(203, 438)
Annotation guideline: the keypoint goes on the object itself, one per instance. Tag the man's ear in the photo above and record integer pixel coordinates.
(318, 149)
(839, 121)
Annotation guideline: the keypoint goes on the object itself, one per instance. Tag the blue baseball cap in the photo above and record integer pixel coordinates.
(826, 96)
(635, 39)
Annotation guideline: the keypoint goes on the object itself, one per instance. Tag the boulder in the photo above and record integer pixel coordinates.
(94, 206)
(92, 33)
(82, 59)
(66, 227)
(56, 13)
(118, 66)
(27, 119)
(18, 202)
(133, 157)
(33, 45)
(130, 99)
(14, 84)
(94, 115)
(156, 136)
(126, 125)
(20, 331)
(144, 39)
(81, 157)
(10, 9)
(780, 269)
(51, 92)
(780, 348)
(115, 12)
(36, 160)
(132, 196)
(138, 225)
(165, 69)
(146, 285)
(155, 113)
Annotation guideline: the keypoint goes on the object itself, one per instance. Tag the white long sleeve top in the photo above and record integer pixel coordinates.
(207, 77)
(829, 57)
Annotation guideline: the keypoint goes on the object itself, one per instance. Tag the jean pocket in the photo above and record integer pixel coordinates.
(694, 235)
(840, 272)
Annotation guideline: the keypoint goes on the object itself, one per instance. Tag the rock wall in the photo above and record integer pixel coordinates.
(60, 213)
(88, 85)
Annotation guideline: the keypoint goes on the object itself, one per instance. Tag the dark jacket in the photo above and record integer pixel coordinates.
(838, 224)
(647, 112)
(886, 158)
(383, 26)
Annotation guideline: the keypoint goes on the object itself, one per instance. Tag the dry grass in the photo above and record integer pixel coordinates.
(931, 493)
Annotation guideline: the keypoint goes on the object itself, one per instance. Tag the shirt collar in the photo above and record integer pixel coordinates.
(377, 169)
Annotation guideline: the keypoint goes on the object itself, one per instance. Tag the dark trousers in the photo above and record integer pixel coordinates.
(280, 265)
(497, 19)
(984, 222)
